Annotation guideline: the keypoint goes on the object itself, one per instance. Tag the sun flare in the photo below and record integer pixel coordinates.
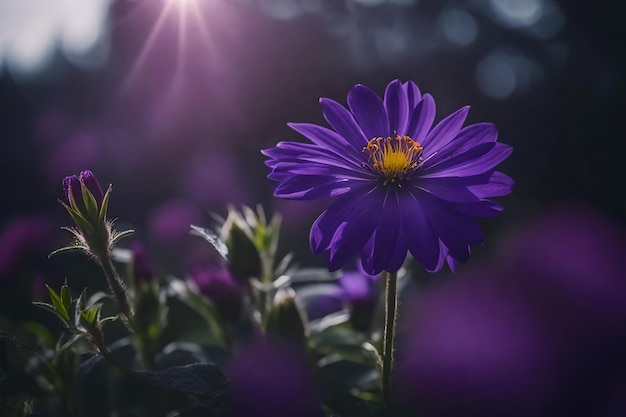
(188, 22)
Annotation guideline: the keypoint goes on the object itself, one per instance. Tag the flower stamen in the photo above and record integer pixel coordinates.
(395, 157)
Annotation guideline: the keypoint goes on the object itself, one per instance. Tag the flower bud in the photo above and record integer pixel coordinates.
(88, 207)
(286, 320)
(218, 285)
(72, 188)
(91, 182)
(243, 255)
(75, 187)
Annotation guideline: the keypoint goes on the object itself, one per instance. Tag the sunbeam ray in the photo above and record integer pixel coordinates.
(145, 50)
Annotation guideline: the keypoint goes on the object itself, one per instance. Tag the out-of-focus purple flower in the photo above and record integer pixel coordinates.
(83, 148)
(404, 184)
(214, 179)
(355, 291)
(570, 265)
(217, 284)
(359, 292)
(475, 349)
(143, 270)
(169, 223)
(574, 256)
(23, 242)
(540, 334)
(271, 381)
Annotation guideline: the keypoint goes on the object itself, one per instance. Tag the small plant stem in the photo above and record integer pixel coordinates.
(267, 276)
(391, 301)
(117, 287)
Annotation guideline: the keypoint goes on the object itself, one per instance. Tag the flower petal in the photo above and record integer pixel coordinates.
(455, 231)
(499, 184)
(312, 187)
(449, 189)
(327, 139)
(369, 112)
(386, 249)
(444, 131)
(92, 184)
(287, 169)
(421, 242)
(467, 138)
(397, 107)
(422, 118)
(303, 153)
(353, 233)
(412, 93)
(71, 187)
(442, 168)
(342, 121)
(472, 162)
(355, 211)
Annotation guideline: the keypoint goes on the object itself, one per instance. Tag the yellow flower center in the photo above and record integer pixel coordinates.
(393, 157)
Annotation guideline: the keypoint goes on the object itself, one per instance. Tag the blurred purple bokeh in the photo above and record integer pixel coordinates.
(539, 332)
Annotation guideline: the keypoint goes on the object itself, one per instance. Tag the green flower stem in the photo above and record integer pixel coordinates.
(267, 276)
(117, 287)
(391, 312)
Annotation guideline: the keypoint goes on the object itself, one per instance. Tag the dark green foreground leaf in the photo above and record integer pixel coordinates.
(200, 379)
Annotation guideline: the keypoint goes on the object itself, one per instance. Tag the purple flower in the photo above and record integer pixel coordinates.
(403, 184)
(72, 186)
(271, 380)
(359, 293)
(217, 284)
(24, 242)
(169, 222)
(476, 348)
(143, 270)
(540, 334)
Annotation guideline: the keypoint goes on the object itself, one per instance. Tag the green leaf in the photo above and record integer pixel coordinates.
(213, 239)
(17, 342)
(91, 205)
(312, 275)
(105, 204)
(117, 236)
(74, 248)
(283, 265)
(80, 306)
(78, 218)
(352, 374)
(66, 298)
(202, 306)
(274, 232)
(58, 304)
(91, 314)
(251, 217)
(201, 379)
(108, 319)
(75, 338)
